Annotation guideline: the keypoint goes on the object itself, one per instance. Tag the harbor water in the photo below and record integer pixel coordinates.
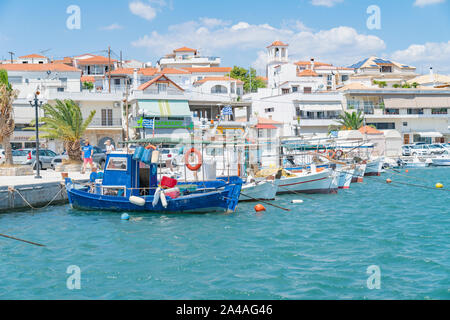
(322, 249)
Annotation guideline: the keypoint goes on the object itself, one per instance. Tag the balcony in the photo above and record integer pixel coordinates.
(105, 123)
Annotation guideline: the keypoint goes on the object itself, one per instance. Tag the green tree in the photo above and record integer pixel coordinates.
(88, 85)
(7, 125)
(64, 121)
(351, 121)
(247, 76)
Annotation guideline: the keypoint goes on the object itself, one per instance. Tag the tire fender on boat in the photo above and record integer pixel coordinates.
(140, 202)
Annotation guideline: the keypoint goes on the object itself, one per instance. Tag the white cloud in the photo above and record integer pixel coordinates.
(341, 45)
(326, 3)
(430, 54)
(112, 27)
(142, 10)
(423, 3)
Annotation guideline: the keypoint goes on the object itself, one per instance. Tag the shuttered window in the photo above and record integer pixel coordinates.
(107, 117)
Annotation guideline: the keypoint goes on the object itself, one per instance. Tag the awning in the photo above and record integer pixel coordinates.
(430, 134)
(265, 126)
(433, 102)
(409, 101)
(164, 108)
(400, 102)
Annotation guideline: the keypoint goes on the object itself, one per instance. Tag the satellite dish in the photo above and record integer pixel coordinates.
(321, 86)
(49, 72)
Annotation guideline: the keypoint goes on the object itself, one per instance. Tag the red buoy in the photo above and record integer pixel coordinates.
(388, 181)
(260, 208)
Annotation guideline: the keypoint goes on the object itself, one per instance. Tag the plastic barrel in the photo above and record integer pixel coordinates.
(138, 153)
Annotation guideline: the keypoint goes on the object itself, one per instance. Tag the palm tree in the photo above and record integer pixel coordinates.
(351, 121)
(64, 121)
(7, 125)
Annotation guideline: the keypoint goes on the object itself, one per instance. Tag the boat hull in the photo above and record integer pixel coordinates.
(345, 177)
(441, 162)
(374, 168)
(222, 201)
(258, 191)
(360, 171)
(325, 182)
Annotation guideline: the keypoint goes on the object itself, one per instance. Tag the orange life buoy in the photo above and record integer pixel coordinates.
(324, 150)
(339, 154)
(150, 147)
(331, 154)
(200, 159)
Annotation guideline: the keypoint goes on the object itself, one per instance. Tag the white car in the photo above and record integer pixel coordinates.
(421, 150)
(2, 156)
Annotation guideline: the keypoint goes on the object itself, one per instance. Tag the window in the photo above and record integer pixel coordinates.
(439, 111)
(107, 117)
(386, 69)
(268, 110)
(60, 89)
(50, 153)
(405, 124)
(219, 89)
(383, 125)
(117, 164)
(25, 62)
(285, 91)
(307, 90)
(415, 111)
(162, 87)
(117, 82)
(344, 78)
(41, 62)
(294, 89)
(15, 80)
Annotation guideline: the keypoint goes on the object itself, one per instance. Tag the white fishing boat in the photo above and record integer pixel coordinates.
(374, 167)
(345, 176)
(314, 181)
(360, 171)
(442, 160)
(416, 162)
(262, 190)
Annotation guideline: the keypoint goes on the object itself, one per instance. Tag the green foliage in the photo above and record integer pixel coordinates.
(351, 121)
(4, 79)
(414, 85)
(406, 86)
(88, 85)
(396, 85)
(245, 75)
(381, 84)
(64, 121)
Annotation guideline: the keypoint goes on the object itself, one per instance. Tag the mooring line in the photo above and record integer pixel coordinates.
(21, 240)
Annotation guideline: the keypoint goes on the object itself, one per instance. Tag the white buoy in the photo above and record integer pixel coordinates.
(163, 200)
(156, 197)
(297, 201)
(140, 202)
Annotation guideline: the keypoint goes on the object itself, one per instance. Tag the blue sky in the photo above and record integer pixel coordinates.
(415, 32)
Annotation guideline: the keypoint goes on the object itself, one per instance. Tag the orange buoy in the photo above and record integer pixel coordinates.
(260, 208)
(407, 171)
(388, 181)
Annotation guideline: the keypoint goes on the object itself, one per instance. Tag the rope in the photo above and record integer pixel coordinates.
(46, 206)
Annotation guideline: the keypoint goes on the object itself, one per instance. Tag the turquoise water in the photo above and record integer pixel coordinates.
(320, 250)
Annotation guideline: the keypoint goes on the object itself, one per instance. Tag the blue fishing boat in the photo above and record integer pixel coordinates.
(130, 185)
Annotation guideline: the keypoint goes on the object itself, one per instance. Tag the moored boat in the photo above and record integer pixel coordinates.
(374, 168)
(125, 186)
(360, 170)
(442, 160)
(262, 190)
(345, 176)
(325, 181)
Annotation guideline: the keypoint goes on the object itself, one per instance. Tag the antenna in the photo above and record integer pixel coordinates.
(11, 54)
(44, 51)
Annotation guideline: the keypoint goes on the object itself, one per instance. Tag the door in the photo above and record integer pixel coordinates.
(406, 138)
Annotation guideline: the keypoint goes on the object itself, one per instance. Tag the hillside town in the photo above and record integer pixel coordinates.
(185, 90)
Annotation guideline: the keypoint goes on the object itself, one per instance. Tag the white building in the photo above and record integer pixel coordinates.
(33, 59)
(187, 58)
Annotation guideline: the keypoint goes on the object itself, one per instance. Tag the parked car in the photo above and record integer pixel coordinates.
(2, 156)
(420, 150)
(437, 148)
(406, 150)
(45, 158)
(99, 158)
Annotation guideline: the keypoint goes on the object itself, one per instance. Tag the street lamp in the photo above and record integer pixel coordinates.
(36, 102)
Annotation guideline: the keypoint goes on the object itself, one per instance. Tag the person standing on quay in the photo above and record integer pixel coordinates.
(88, 153)
(109, 147)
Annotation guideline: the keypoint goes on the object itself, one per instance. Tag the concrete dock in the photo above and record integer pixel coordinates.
(37, 193)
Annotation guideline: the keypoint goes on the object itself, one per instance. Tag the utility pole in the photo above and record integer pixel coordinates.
(121, 64)
(109, 68)
(250, 71)
(11, 54)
